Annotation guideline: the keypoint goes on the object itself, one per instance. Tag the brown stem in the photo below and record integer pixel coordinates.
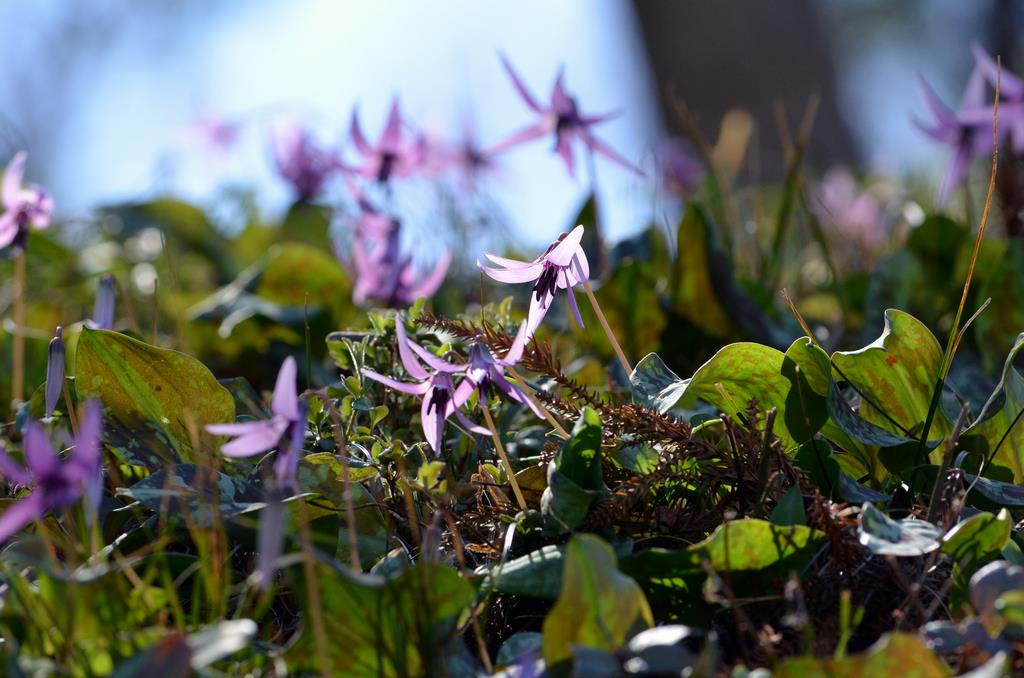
(607, 329)
(528, 392)
(504, 458)
(18, 375)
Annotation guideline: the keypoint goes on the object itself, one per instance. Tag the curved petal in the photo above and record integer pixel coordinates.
(270, 540)
(355, 131)
(10, 470)
(261, 437)
(434, 279)
(470, 425)
(974, 91)
(607, 151)
(538, 309)
(1010, 86)
(516, 394)
(563, 147)
(286, 400)
(40, 457)
(942, 113)
(571, 298)
(392, 135)
(534, 131)
(21, 513)
(517, 82)
(563, 252)
(412, 389)
(10, 193)
(87, 443)
(8, 228)
(463, 392)
(509, 263)
(515, 351)
(561, 102)
(236, 429)
(515, 275)
(435, 362)
(409, 361)
(433, 422)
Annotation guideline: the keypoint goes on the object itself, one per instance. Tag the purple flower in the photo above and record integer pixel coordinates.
(24, 206)
(396, 154)
(679, 170)
(1011, 105)
(964, 130)
(563, 119)
(382, 272)
(302, 163)
(487, 372)
(854, 213)
(441, 398)
(217, 134)
(469, 161)
(103, 311)
(562, 266)
(256, 437)
(55, 484)
(54, 372)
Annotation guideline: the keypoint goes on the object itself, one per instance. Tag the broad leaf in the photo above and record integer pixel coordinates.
(598, 607)
(999, 424)
(888, 537)
(155, 398)
(896, 655)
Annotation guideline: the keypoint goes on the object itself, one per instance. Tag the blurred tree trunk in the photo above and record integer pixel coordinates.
(719, 54)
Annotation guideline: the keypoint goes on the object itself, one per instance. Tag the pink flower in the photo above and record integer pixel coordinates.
(563, 119)
(302, 163)
(441, 398)
(562, 266)
(395, 154)
(24, 206)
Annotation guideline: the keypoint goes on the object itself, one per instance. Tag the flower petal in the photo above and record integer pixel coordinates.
(520, 86)
(40, 457)
(10, 193)
(355, 131)
(433, 280)
(515, 351)
(607, 151)
(21, 513)
(262, 436)
(435, 362)
(392, 136)
(515, 275)
(409, 361)
(509, 263)
(563, 252)
(1010, 86)
(433, 422)
(286, 400)
(11, 471)
(412, 389)
(534, 131)
(470, 425)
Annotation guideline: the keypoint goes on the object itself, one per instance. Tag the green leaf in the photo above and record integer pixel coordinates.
(157, 400)
(795, 383)
(598, 607)
(981, 535)
(999, 422)
(885, 536)
(580, 457)
(897, 373)
(195, 489)
(655, 385)
(1003, 494)
(386, 627)
(895, 655)
(790, 509)
(693, 286)
(537, 574)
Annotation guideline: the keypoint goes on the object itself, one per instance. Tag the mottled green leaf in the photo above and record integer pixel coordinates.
(537, 574)
(598, 607)
(980, 535)
(999, 424)
(195, 490)
(148, 389)
(790, 509)
(896, 374)
(895, 655)
(386, 627)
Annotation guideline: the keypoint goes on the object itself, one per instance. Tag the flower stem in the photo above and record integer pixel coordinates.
(528, 392)
(501, 453)
(607, 330)
(18, 372)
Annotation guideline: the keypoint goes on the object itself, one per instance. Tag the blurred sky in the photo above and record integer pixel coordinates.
(100, 91)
